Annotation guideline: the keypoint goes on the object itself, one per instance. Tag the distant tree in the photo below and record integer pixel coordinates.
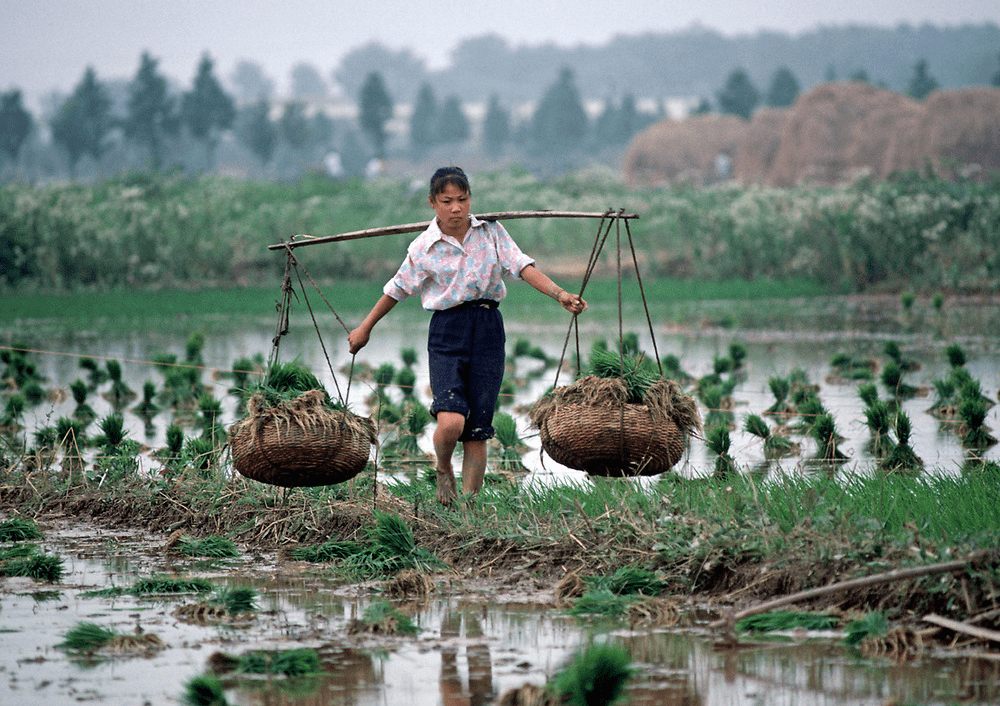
(703, 108)
(922, 83)
(559, 123)
(616, 124)
(606, 126)
(859, 76)
(294, 126)
(308, 83)
(831, 74)
(423, 120)
(452, 125)
(739, 96)
(15, 124)
(496, 126)
(353, 154)
(251, 83)
(375, 110)
(628, 117)
(207, 109)
(784, 88)
(151, 116)
(321, 131)
(401, 72)
(995, 81)
(84, 120)
(257, 131)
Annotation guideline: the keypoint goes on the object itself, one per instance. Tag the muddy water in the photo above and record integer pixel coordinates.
(473, 645)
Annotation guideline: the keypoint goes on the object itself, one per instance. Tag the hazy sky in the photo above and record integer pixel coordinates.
(47, 44)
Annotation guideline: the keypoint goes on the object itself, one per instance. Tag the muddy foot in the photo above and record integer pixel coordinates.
(445, 487)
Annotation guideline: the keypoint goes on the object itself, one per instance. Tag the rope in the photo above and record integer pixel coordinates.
(591, 264)
(642, 293)
(284, 311)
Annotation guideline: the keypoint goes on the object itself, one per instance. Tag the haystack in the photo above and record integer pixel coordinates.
(882, 141)
(960, 131)
(686, 150)
(818, 142)
(756, 151)
(594, 425)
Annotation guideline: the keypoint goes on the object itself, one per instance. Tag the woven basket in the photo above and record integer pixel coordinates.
(616, 441)
(301, 443)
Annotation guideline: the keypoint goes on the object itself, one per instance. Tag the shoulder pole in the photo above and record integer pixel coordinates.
(417, 227)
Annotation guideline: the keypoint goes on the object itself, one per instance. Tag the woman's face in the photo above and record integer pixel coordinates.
(452, 208)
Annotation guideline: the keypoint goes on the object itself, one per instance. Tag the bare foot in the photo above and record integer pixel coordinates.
(445, 487)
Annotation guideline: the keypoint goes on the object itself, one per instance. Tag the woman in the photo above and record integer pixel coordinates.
(456, 267)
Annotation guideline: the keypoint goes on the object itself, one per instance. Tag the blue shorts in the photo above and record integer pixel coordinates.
(466, 350)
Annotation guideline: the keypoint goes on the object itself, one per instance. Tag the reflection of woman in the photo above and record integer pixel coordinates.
(480, 666)
(456, 267)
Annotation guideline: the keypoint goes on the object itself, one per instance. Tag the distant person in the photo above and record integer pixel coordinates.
(456, 266)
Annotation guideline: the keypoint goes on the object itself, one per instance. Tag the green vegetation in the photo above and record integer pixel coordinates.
(596, 676)
(212, 547)
(27, 561)
(769, 622)
(205, 230)
(18, 530)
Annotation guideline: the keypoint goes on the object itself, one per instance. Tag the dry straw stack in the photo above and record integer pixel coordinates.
(682, 150)
(832, 133)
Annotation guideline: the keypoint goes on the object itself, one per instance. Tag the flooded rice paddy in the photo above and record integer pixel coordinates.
(475, 641)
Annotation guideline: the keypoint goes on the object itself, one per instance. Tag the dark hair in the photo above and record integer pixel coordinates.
(449, 175)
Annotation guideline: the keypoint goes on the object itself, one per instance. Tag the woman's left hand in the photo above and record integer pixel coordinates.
(573, 303)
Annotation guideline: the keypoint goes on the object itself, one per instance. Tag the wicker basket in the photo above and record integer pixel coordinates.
(617, 441)
(300, 443)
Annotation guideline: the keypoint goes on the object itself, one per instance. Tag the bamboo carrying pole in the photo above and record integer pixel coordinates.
(417, 227)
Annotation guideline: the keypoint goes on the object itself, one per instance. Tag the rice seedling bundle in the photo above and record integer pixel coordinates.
(292, 437)
(621, 419)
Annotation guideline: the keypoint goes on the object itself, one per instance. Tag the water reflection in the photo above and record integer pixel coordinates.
(478, 687)
(472, 648)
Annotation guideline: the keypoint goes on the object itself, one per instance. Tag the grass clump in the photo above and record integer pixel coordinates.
(771, 622)
(775, 445)
(86, 637)
(236, 600)
(289, 663)
(512, 448)
(164, 585)
(902, 457)
(18, 529)
(874, 624)
(212, 547)
(382, 618)
(594, 677)
(204, 690)
(389, 548)
(25, 560)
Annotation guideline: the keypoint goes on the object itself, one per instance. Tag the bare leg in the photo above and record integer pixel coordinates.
(473, 466)
(449, 428)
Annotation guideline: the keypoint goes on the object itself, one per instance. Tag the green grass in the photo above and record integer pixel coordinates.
(126, 308)
(18, 529)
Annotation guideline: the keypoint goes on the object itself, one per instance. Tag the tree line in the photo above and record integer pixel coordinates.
(156, 128)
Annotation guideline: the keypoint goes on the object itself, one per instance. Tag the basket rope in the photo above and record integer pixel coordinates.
(624, 442)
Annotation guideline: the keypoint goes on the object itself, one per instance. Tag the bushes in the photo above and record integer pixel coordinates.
(924, 231)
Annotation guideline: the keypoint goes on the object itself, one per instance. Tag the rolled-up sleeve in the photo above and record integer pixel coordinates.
(512, 260)
(406, 282)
